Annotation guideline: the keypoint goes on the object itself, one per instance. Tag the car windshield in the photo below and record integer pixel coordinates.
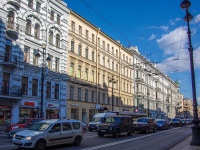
(112, 120)
(23, 121)
(29, 125)
(40, 126)
(142, 120)
(175, 119)
(160, 121)
(97, 119)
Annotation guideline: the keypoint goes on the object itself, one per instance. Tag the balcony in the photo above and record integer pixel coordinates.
(15, 2)
(12, 29)
(139, 80)
(11, 91)
(158, 89)
(10, 60)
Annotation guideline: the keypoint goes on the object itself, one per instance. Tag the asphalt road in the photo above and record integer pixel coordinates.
(161, 140)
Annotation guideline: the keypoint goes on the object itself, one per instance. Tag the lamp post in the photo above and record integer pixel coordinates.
(43, 52)
(112, 80)
(195, 128)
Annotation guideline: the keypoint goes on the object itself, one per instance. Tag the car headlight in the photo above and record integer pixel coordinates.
(14, 136)
(28, 138)
(15, 127)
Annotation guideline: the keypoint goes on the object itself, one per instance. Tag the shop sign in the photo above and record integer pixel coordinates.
(26, 103)
(92, 106)
(50, 105)
(76, 105)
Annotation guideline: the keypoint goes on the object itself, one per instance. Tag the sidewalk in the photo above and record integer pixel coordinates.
(185, 145)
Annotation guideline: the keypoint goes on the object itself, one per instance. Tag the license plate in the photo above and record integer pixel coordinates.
(17, 141)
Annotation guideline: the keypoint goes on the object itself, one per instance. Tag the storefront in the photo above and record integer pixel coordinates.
(5, 114)
(52, 111)
(28, 109)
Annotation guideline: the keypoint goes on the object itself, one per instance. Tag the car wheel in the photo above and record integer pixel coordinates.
(116, 134)
(147, 130)
(40, 145)
(154, 130)
(100, 134)
(130, 132)
(77, 141)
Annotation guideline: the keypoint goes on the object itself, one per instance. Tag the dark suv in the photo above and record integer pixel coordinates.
(144, 124)
(176, 122)
(116, 125)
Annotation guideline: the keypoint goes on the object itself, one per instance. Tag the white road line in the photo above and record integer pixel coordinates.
(127, 140)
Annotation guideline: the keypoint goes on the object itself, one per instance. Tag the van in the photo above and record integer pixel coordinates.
(98, 119)
(49, 132)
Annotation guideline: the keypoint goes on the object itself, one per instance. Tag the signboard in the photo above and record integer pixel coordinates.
(26, 103)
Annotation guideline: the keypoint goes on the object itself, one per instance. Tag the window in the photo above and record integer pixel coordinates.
(108, 100)
(56, 91)
(108, 47)
(57, 64)
(73, 26)
(72, 69)
(28, 27)
(50, 62)
(30, 4)
(79, 50)
(86, 73)
(92, 56)
(76, 125)
(86, 53)
(104, 98)
(6, 83)
(38, 5)
(34, 87)
(56, 127)
(51, 37)
(92, 76)
(103, 45)
(48, 90)
(86, 34)
(116, 53)
(26, 54)
(112, 50)
(93, 38)
(80, 30)
(58, 40)
(98, 97)
(99, 42)
(35, 59)
(52, 15)
(71, 92)
(79, 72)
(79, 94)
(117, 67)
(112, 65)
(58, 19)
(103, 61)
(92, 96)
(24, 85)
(86, 95)
(72, 46)
(103, 79)
(108, 63)
(66, 126)
(11, 21)
(37, 31)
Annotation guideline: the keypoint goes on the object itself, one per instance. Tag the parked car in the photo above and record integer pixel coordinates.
(188, 121)
(115, 125)
(50, 132)
(162, 124)
(21, 124)
(144, 124)
(184, 122)
(176, 122)
(14, 131)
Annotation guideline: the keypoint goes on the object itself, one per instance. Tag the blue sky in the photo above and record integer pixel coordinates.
(156, 27)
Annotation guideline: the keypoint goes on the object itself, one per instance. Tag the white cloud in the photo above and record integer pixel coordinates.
(164, 28)
(198, 101)
(196, 19)
(153, 36)
(175, 47)
(173, 22)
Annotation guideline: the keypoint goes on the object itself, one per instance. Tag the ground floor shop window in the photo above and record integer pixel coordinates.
(28, 112)
(75, 113)
(91, 114)
(5, 114)
(52, 114)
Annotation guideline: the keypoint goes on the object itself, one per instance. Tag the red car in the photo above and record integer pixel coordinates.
(21, 124)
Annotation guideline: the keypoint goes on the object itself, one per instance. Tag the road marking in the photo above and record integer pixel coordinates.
(127, 140)
(89, 136)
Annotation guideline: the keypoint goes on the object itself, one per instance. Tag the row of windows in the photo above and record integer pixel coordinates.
(35, 88)
(114, 52)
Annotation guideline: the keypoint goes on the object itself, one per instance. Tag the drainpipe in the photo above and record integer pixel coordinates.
(97, 67)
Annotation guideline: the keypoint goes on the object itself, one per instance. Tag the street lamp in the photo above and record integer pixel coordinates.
(112, 80)
(43, 52)
(195, 128)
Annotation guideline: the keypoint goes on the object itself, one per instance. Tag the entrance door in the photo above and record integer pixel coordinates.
(84, 116)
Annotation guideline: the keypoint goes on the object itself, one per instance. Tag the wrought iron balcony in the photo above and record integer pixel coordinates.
(10, 60)
(15, 2)
(12, 29)
(11, 91)
(139, 80)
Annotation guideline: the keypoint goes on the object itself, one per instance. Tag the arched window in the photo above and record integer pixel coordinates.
(28, 26)
(11, 17)
(57, 40)
(37, 31)
(51, 37)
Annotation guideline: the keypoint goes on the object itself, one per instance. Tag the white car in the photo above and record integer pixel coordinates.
(50, 133)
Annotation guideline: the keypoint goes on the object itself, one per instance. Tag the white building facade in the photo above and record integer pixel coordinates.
(27, 28)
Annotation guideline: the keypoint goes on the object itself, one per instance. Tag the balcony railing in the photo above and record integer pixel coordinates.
(15, 2)
(10, 58)
(11, 91)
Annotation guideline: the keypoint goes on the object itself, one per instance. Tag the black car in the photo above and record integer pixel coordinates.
(176, 122)
(162, 124)
(115, 125)
(144, 124)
